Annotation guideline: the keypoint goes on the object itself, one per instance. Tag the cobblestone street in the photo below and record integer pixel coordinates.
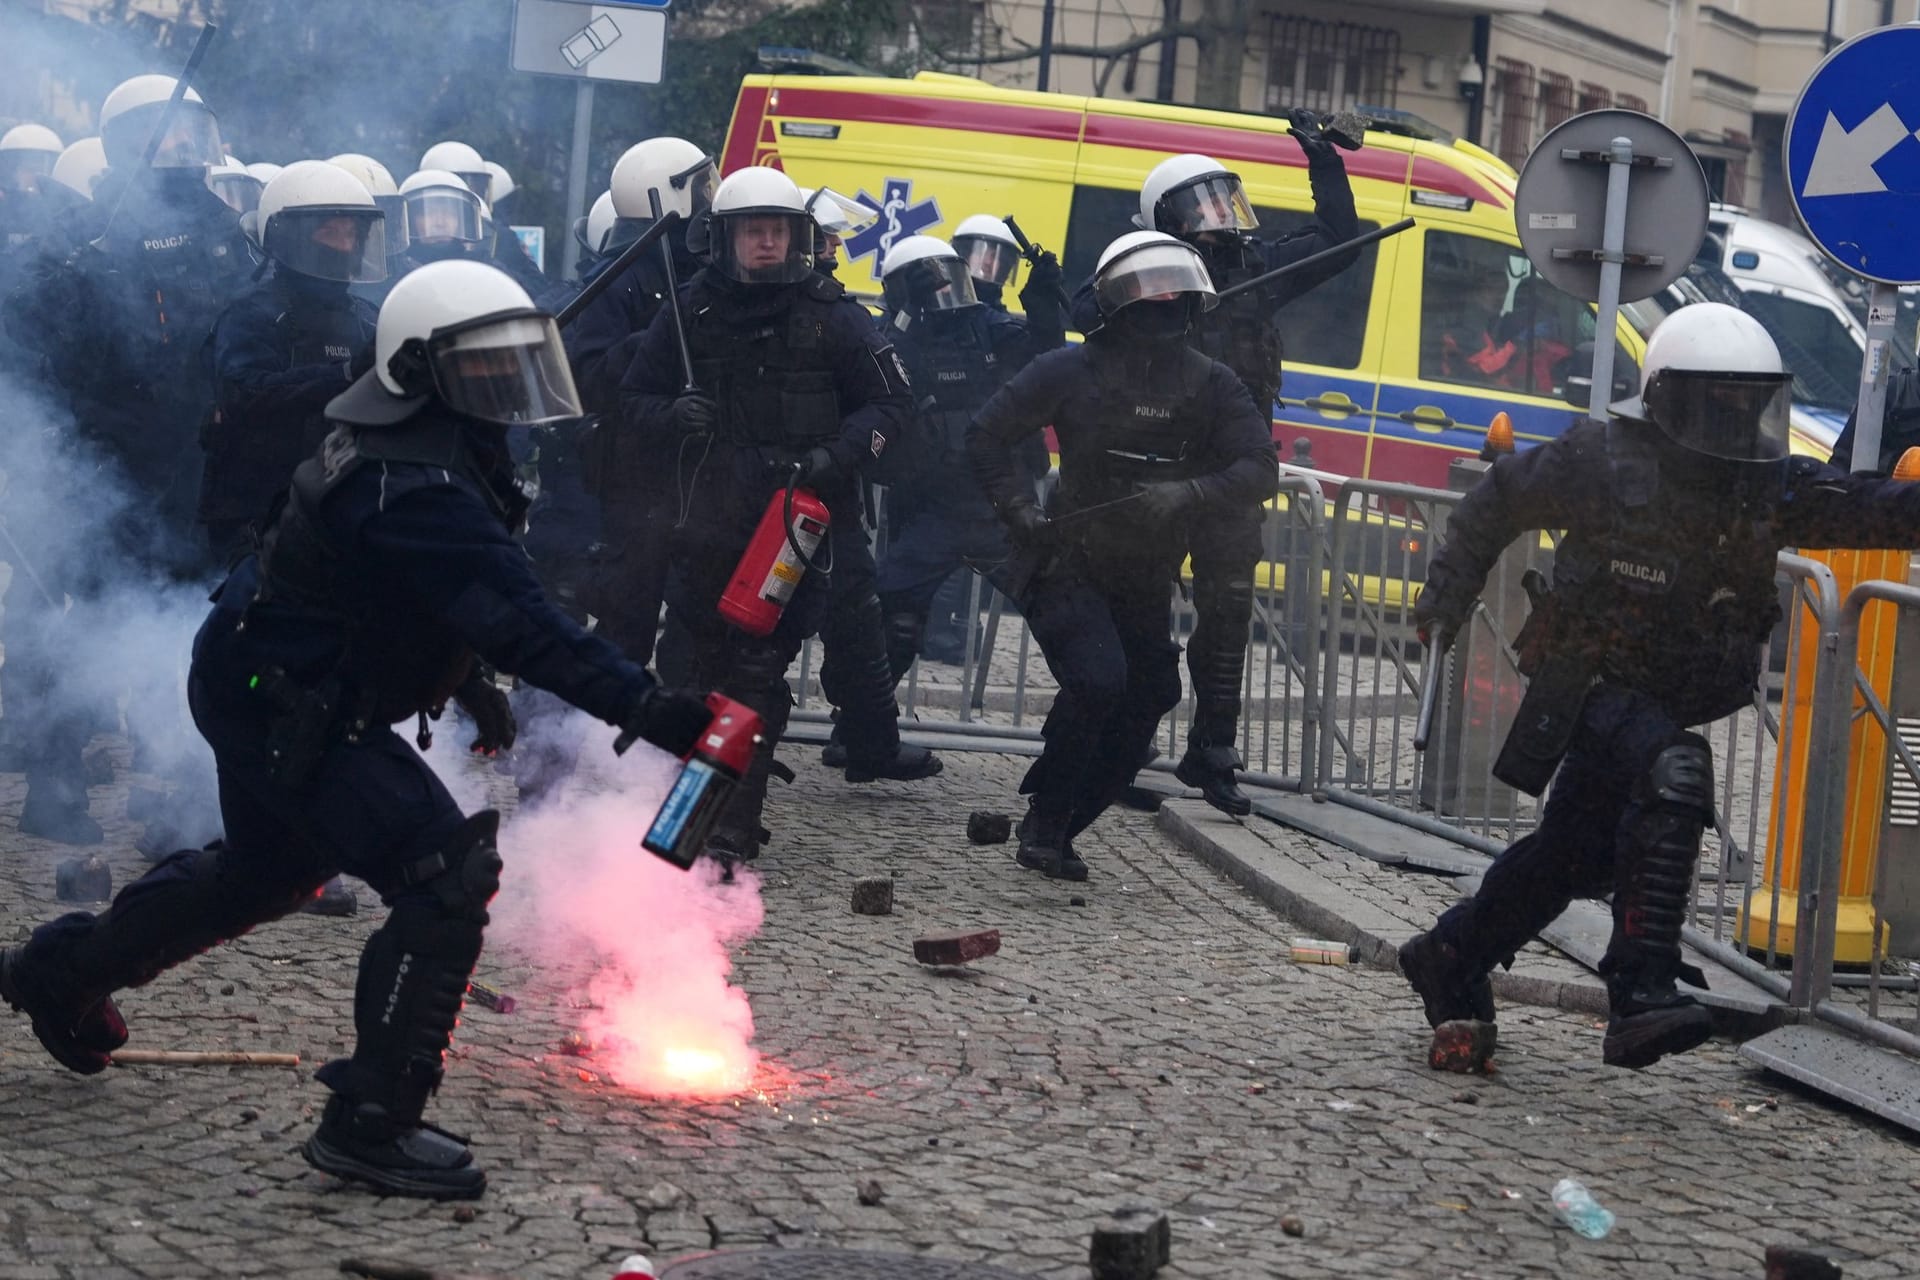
(1153, 1042)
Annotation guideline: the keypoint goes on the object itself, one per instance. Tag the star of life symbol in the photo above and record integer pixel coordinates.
(900, 217)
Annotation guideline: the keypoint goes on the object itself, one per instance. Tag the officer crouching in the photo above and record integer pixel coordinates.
(1151, 434)
(1662, 602)
(390, 566)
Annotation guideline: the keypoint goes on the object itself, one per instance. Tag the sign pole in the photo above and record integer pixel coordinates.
(577, 176)
(1883, 307)
(1613, 254)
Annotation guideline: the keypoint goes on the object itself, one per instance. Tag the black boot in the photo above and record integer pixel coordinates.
(1044, 843)
(909, 764)
(1459, 1004)
(834, 754)
(1211, 769)
(79, 1033)
(1650, 1021)
(393, 1151)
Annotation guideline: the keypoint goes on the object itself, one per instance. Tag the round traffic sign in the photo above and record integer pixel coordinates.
(1560, 205)
(1852, 159)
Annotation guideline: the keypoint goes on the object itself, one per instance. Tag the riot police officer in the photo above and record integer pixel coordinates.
(392, 564)
(1152, 434)
(81, 166)
(27, 156)
(634, 485)
(498, 245)
(958, 352)
(792, 385)
(445, 220)
(286, 347)
(379, 183)
(1662, 602)
(1199, 200)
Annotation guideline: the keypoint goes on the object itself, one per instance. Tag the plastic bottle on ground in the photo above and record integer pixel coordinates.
(1574, 1205)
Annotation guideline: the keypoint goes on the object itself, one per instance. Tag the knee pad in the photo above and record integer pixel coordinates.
(1681, 779)
(1227, 601)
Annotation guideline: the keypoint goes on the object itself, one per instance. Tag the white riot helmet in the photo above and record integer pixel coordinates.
(1713, 383)
(923, 274)
(675, 171)
(835, 217)
(440, 207)
(128, 117)
(80, 166)
(378, 180)
(987, 246)
(757, 231)
(467, 334)
(599, 226)
(27, 153)
(264, 170)
(315, 218)
(459, 158)
(503, 184)
(236, 187)
(1186, 195)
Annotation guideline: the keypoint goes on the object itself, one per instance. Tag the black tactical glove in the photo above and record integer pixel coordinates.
(1026, 523)
(1304, 125)
(1168, 499)
(695, 414)
(818, 467)
(486, 702)
(1439, 613)
(671, 719)
(1044, 275)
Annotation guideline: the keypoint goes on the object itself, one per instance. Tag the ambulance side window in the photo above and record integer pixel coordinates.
(1487, 320)
(1100, 215)
(1326, 325)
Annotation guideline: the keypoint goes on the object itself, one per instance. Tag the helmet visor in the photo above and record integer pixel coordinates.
(509, 369)
(988, 261)
(394, 223)
(764, 246)
(698, 181)
(1153, 273)
(1217, 203)
(192, 139)
(443, 213)
(839, 216)
(21, 170)
(240, 191)
(344, 243)
(1737, 417)
(479, 181)
(928, 285)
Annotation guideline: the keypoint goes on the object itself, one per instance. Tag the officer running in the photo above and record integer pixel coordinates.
(1663, 599)
(1152, 435)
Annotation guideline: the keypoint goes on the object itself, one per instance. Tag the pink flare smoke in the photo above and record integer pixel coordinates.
(578, 887)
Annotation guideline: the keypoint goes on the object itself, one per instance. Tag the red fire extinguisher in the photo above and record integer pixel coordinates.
(712, 769)
(778, 557)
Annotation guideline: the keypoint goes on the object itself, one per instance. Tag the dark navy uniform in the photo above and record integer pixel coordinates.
(938, 518)
(280, 352)
(391, 566)
(793, 369)
(1663, 598)
(1125, 415)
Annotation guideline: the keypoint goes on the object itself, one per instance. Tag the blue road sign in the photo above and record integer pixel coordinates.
(1853, 155)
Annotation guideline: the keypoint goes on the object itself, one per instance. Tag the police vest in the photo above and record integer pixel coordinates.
(1675, 596)
(252, 456)
(953, 371)
(770, 372)
(392, 668)
(1241, 334)
(1142, 418)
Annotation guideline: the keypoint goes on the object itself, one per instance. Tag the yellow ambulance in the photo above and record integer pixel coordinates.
(1392, 368)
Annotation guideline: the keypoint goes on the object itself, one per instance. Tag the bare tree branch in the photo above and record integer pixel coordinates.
(1113, 52)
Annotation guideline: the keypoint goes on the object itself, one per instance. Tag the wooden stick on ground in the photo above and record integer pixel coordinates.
(197, 1058)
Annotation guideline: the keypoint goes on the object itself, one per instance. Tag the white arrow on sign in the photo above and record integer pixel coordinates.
(1843, 162)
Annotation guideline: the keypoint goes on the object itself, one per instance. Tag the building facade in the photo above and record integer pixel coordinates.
(1722, 73)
